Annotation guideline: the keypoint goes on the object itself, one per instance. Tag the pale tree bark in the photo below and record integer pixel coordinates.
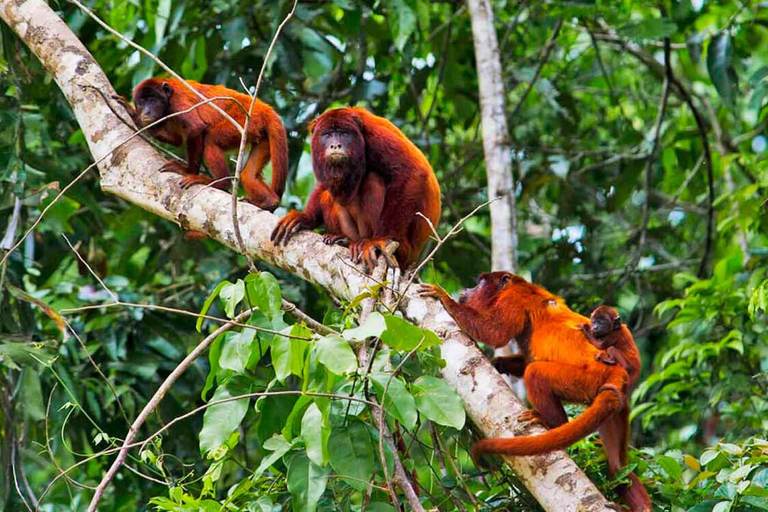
(130, 171)
(496, 146)
(498, 153)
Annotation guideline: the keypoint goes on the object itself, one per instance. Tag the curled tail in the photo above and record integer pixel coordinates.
(278, 151)
(606, 404)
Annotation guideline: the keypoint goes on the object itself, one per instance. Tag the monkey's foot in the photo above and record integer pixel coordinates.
(194, 179)
(174, 166)
(530, 416)
(329, 239)
(288, 226)
(368, 250)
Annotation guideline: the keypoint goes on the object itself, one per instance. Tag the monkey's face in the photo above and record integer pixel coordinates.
(338, 153)
(152, 101)
(604, 320)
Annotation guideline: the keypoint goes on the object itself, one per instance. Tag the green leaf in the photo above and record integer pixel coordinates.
(231, 295)
(336, 354)
(315, 433)
(306, 481)
(670, 466)
(221, 420)
(373, 326)
(214, 354)
(208, 302)
(438, 401)
(352, 453)
(402, 21)
(402, 335)
(31, 395)
(279, 447)
(398, 402)
(268, 296)
(721, 69)
(380, 507)
(649, 29)
(288, 353)
(236, 350)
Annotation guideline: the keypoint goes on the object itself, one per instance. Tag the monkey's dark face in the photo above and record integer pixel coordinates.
(338, 153)
(604, 320)
(489, 286)
(152, 100)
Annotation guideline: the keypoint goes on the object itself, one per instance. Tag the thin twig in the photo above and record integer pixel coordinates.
(291, 308)
(440, 241)
(244, 138)
(157, 61)
(542, 62)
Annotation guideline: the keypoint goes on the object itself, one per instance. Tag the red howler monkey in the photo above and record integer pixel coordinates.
(208, 135)
(608, 333)
(559, 364)
(371, 182)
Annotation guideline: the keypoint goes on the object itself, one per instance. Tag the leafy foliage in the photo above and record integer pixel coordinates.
(301, 435)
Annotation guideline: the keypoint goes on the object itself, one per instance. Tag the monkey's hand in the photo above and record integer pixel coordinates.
(368, 250)
(432, 291)
(288, 226)
(605, 358)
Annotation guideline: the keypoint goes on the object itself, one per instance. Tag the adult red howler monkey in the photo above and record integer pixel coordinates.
(558, 364)
(208, 135)
(371, 183)
(608, 333)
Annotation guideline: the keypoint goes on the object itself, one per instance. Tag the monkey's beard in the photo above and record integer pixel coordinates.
(342, 177)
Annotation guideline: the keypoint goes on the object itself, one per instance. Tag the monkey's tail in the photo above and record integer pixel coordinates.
(278, 151)
(606, 403)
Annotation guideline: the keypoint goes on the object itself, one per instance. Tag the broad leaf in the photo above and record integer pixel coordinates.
(398, 402)
(439, 402)
(402, 335)
(721, 70)
(306, 481)
(336, 354)
(315, 432)
(221, 420)
(352, 453)
(373, 326)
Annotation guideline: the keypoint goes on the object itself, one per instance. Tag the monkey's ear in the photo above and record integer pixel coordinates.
(505, 280)
(617, 322)
(167, 89)
(311, 125)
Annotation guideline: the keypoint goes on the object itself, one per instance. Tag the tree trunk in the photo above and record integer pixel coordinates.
(130, 171)
(498, 154)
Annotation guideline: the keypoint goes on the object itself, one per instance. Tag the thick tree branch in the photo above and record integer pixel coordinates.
(131, 172)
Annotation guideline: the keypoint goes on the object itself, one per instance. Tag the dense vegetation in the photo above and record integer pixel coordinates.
(607, 213)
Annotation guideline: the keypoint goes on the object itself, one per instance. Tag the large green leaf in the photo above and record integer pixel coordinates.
(336, 354)
(373, 326)
(649, 29)
(288, 353)
(402, 335)
(721, 69)
(221, 420)
(438, 401)
(306, 481)
(236, 349)
(398, 402)
(402, 20)
(315, 432)
(231, 295)
(266, 293)
(352, 453)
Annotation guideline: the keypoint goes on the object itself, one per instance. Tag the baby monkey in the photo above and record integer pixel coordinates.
(609, 334)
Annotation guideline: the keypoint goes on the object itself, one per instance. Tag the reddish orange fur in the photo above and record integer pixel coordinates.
(208, 135)
(560, 365)
(370, 195)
